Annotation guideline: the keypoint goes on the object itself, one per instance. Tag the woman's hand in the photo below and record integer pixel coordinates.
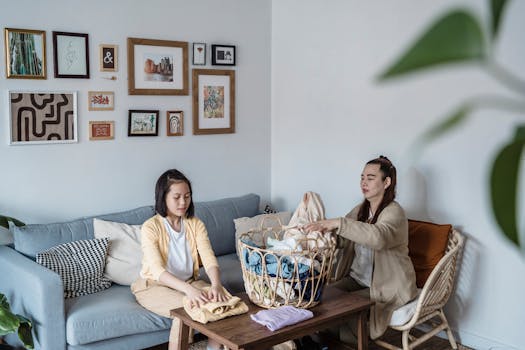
(323, 226)
(197, 297)
(216, 293)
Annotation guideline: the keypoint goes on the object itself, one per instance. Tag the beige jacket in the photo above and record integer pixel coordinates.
(155, 241)
(393, 276)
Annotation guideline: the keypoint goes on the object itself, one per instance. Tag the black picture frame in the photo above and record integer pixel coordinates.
(223, 55)
(140, 123)
(71, 55)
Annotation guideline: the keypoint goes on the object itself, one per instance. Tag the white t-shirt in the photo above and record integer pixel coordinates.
(180, 261)
(363, 263)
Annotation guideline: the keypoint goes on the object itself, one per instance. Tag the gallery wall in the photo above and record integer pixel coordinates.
(55, 182)
(330, 115)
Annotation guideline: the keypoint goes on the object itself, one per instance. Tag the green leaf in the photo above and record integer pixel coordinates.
(24, 332)
(4, 221)
(504, 183)
(496, 7)
(9, 323)
(457, 36)
(446, 125)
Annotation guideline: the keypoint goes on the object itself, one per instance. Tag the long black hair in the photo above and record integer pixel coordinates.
(162, 188)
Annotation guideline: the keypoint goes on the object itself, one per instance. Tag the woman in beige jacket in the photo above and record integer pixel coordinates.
(373, 239)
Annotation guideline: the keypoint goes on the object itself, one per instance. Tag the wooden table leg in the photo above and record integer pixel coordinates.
(362, 331)
(184, 333)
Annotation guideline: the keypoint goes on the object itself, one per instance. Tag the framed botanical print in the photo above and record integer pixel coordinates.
(25, 53)
(213, 101)
(143, 123)
(157, 67)
(71, 55)
(199, 54)
(101, 100)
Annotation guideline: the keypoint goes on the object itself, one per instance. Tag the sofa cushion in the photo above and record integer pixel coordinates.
(231, 273)
(124, 258)
(427, 243)
(109, 314)
(34, 238)
(80, 265)
(218, 217)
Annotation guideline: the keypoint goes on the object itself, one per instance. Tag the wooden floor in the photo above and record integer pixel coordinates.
(435, 343)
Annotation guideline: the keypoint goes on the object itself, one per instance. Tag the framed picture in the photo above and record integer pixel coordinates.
(108, 58)
(71, 55)
(157, 67)
(213, 101)
(40, 117)
(175, 123)
(101, 100)
(143, 123)
(199, 54)
(101, 130)
(223, 55)
(25, 53)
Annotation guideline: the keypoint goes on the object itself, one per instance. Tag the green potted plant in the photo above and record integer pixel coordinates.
(4, 221)
(10, 323)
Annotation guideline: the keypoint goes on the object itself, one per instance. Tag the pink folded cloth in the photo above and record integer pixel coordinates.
(280, 317)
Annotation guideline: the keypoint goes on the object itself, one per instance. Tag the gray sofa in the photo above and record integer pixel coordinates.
(110, 319)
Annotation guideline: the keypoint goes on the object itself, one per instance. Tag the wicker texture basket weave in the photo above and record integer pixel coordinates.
(273, 278)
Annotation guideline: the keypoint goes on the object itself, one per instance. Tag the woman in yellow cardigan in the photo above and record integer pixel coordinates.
(174, 244)
(373, 239)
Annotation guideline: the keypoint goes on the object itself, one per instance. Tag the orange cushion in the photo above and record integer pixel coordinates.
(427, 243)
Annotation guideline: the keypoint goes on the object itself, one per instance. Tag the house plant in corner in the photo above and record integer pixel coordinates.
(10, 323)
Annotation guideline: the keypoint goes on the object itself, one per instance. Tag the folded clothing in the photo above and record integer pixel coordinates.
(280, 317)
(215, 310)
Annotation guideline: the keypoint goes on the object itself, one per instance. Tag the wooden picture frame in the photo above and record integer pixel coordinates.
(42, 117)
(157, 67)
(143, 122)
(101, 130)
(174, 123)
(199, 54)
(213, 101)
(25, 53)
(108, 58)
(101, 100)
(223, 55)
(71, 55)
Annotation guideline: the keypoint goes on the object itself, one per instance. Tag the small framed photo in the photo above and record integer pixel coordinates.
(143, 123)
(174, 123)
(108, 58)
(213, 101)
(223, 55)
(25, 53)
(71, 55)
(199, 54)
(101, 130)
(101, 100)
(42, 117)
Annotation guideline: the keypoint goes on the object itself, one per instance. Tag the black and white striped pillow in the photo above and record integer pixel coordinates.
(80, 264)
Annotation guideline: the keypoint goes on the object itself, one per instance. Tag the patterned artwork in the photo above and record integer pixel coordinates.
(43, 117)
(213, 101)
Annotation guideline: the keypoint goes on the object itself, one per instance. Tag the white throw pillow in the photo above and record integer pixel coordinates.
(124, 258)
(245, 224)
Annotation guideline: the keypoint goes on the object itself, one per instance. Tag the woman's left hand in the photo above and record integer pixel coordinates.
(323, 226)
(216, 293)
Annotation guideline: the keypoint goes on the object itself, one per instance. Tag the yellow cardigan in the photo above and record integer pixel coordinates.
(155, 242)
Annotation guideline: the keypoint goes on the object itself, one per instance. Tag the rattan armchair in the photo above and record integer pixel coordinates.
(432, 299)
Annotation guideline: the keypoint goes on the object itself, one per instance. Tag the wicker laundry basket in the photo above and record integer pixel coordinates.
(276, 277)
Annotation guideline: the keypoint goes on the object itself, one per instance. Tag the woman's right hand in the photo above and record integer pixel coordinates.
(197, 296)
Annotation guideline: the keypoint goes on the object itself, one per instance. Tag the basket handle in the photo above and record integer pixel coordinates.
(274, 217)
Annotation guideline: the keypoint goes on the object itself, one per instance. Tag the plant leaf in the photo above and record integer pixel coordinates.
(4, 221)
(9, 323)
(446, 125)
(457, 36)
(24, 332)
(504, 183)
(496, 9)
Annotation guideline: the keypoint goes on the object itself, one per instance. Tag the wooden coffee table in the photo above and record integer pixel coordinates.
(241, 332)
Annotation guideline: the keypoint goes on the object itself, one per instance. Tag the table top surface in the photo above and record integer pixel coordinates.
(241, 331)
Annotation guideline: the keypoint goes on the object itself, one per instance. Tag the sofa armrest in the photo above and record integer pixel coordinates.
(36, 293)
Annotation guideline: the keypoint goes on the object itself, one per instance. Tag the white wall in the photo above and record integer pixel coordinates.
(45, 183)
(329, 116)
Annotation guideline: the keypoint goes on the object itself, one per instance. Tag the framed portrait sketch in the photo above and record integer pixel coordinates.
(108, 58)
(199, 54)
(40, 117)
(157, 67)
(101, 130)
(71, 55)
(174, 123)
(213, 101)
(25, 53)
(101, 100)
(143, 123)
(223, 55)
